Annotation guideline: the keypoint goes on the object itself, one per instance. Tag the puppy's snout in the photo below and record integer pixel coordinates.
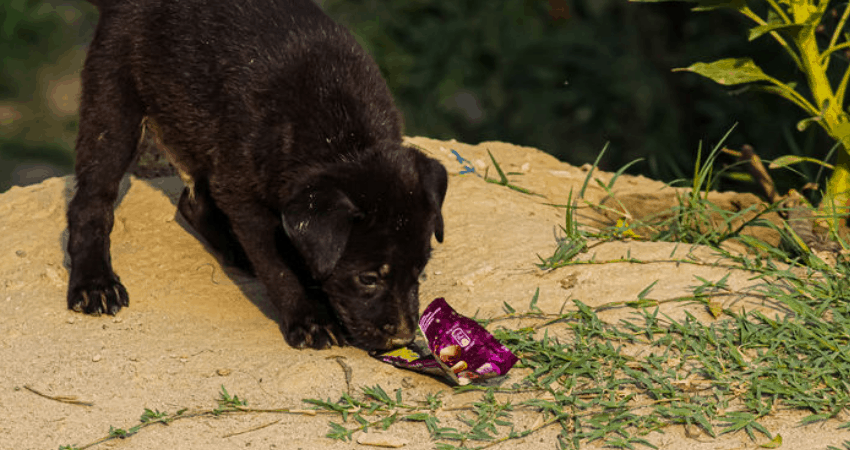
(401, 341)
(399, 336)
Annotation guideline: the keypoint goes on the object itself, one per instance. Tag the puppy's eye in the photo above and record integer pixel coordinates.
(368, 279)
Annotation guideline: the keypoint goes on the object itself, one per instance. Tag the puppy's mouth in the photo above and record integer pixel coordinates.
(396, 342)
(365, 334)
(377, 343)
(375, 340)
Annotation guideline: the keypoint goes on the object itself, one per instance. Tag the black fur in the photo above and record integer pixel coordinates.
(290, 145)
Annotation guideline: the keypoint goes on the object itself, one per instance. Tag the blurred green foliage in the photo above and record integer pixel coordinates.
(565, 76)
(41, 49)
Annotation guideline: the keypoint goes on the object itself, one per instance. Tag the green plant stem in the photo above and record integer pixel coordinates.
(834, 119)
(816, 75)
(788, 49)
(837, 187)
(842, 86)
(779, 11)
(830, 50)
(838, 29)
(789, 93)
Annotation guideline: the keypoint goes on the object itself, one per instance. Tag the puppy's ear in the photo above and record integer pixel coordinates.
(435, 181)
(318, 222)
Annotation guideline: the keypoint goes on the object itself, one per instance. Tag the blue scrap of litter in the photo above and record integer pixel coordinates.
(465, 164)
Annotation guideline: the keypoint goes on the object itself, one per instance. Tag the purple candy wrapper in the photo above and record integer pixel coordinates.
(413, 358)
(461, 349)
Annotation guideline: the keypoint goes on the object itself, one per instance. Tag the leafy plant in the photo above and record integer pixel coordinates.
(226, 403)
(794, 26)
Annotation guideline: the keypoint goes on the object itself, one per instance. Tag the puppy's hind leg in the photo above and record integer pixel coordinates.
(110, 117)
(200, 210)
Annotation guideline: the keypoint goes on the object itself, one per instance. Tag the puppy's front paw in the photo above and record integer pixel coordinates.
(311, 331)
(98, 296)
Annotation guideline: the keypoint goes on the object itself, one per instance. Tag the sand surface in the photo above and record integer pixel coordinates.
(193, 326)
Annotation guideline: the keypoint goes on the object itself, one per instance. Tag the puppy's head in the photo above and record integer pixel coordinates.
(364, 230)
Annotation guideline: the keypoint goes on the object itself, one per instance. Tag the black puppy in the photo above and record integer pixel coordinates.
(290, 146)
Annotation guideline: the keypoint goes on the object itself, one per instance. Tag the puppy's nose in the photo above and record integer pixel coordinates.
(399, 336)
(401, 340)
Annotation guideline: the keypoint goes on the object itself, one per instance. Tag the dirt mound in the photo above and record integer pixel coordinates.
(193, 326)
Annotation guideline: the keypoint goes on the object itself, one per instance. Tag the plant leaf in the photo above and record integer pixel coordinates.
(761, 30)
(417, 417)
(776, 442)
(787, 92)
(814, 418)
(705, 5)
(503, 179)
(803, 124)
(533, 305)
(729, 71)
(642, 295)
(788, 160)
(774, 25)
(620, 172)
(715, 308)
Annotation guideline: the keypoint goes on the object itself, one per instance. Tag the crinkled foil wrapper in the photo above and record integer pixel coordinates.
(460, 348)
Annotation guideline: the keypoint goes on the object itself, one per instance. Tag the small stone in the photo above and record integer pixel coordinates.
(96, 358)
(561, 173)
(222, 372)
(71, 320)
(20, 253)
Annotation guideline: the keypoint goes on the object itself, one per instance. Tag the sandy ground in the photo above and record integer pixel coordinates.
(193, 326)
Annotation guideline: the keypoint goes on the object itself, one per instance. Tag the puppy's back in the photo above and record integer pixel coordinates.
(215, 72)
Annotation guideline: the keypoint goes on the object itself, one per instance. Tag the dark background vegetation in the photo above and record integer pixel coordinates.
(565, 76)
